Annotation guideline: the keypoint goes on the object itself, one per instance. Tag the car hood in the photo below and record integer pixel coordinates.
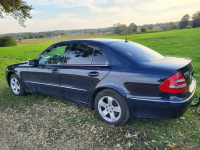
(167, 65)
(25, 63)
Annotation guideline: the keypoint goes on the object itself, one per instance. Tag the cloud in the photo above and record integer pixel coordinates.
(80, 14)
(37, 12)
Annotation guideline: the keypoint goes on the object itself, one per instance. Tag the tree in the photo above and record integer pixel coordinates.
(91, 32)
(171, 25)
(132, 28)
(150, 26)
(196, 20)
(143, 29)
(85, 32)
(40, 35)
(31, 37)
(7, 41)
(123, 29)
(36, 36)
(51, 35)
(62, 33)
(55, 33)
(25, 36)
(116, 28)
(184, 21)
(99, 30)
(16, 8)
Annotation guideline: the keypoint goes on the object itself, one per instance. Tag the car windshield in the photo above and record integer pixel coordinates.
(137, 52)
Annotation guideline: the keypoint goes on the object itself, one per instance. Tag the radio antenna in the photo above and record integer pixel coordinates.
(126, 41)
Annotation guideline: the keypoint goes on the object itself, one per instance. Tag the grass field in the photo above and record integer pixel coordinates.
(181, 133)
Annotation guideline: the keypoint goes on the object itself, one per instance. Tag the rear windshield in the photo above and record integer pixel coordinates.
(137, 52)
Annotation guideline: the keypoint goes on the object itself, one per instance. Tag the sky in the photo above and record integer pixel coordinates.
(51, 15)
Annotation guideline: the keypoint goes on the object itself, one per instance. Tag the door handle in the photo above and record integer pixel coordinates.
(54, 71)
(93, 74)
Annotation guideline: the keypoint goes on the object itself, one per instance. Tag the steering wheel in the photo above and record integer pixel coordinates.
(50, 61)
(56, 59)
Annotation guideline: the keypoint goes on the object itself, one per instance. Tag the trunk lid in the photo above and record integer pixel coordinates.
(187, 71)
(171, 65)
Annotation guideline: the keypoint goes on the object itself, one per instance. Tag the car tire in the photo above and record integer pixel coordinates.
(17, 86)
(111, 107)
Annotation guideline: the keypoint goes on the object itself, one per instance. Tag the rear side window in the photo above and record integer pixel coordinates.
(137, 52)
(99, 58)
(80, 54)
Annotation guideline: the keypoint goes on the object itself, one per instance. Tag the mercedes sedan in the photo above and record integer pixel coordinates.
(118, 78)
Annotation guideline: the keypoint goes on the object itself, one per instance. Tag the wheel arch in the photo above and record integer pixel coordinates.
(99, 89)
(8, 76)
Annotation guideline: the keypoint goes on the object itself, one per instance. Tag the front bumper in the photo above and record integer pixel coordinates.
(158, 108)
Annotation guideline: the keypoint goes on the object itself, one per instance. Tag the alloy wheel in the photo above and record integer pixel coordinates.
(15, 85)
(109, 109)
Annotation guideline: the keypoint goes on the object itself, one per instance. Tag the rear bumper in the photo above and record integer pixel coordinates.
(158, 108)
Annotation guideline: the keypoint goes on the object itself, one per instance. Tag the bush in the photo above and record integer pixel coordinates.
(31, 37)
(143, 29)
(7, 41)
(188, 27)
(41, 35)
(25, 36)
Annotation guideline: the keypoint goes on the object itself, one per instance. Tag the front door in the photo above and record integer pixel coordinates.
(44, 78)
(85, 67)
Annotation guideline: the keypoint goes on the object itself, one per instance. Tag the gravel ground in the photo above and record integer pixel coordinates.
(53, 126)
(56, 124)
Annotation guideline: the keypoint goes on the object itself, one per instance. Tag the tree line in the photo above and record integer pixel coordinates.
(122, 29)
(185, 21)
(57, 33)
(30, 35)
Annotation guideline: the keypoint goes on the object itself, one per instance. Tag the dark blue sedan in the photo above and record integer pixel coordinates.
(118, 78)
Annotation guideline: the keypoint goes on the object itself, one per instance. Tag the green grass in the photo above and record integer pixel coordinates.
(183, 133)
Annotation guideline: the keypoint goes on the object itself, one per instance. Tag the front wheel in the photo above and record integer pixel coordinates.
(16, 85)
(111, 107)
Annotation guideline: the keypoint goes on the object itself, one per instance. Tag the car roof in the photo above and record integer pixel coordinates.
(97, 41)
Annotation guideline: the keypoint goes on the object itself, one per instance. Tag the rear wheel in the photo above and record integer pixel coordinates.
(111, 107)
(16, 85)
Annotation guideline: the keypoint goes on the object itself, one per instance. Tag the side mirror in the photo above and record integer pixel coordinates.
(33, 62)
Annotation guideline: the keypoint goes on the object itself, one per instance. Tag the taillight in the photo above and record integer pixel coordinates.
(175, 84)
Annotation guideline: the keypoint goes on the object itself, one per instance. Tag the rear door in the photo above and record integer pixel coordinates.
(85, 67)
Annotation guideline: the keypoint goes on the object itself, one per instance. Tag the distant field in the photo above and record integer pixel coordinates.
(170, 134)
(54, 40)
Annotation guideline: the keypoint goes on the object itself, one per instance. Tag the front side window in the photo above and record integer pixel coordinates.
(55, 56)
(99, 58)
(80, 54)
